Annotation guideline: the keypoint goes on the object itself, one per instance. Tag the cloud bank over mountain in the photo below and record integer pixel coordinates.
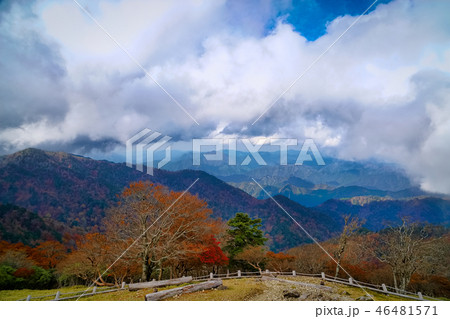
(382, 91)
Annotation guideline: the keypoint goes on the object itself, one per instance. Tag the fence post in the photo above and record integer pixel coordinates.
(123, 285)
(384, 287)
(294, 273)
(28, 297)
(323, 275)
(267, 271)
(239, 273)
(57, 295)
(94, 290)
(211, 275)
(420, 295)
(228, 272)
(350, 280)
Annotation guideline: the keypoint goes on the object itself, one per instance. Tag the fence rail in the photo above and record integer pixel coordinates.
(59, 296)
(255, 274)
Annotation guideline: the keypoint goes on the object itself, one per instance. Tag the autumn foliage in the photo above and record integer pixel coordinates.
(23, 266)
(280, 261)
(155, 233)
(213, 254)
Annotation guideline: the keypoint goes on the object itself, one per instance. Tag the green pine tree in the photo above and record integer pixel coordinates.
(244, 232)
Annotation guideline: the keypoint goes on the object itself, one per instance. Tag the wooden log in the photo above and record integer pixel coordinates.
(183, 290)
(161, 283)
(299, 283)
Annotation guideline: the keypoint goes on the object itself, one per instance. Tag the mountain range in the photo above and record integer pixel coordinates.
(75, 192)
(308, 184)
(379, 213)
(335, 172)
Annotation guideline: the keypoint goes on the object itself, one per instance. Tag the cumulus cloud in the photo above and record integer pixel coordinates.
(381, 92)
(32, 71)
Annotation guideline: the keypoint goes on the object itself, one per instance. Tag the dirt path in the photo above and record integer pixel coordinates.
(278, 291)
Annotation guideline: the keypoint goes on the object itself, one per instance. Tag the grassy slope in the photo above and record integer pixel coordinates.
(23, 293)
(122, 295)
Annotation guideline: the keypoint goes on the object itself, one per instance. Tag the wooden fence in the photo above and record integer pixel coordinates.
(76, 294)
(256, 274)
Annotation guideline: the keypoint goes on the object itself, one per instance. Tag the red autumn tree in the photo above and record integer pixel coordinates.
(213, 254)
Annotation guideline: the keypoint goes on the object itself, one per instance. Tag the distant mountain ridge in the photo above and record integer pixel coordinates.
(311, 196)
(336, 173)
(378, 214)
(308, 184)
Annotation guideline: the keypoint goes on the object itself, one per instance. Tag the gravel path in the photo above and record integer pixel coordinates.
(278, 291)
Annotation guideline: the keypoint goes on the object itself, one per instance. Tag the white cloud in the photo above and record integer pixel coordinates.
(381, 91)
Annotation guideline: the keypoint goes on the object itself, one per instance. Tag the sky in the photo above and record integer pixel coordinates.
(382, 91)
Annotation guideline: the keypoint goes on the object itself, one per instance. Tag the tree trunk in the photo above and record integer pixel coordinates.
(339, 256)
(156, 284)
(403, 283)
(337, 269)
(395, 283)
(160, 271)
(144, 276)
(186, 289)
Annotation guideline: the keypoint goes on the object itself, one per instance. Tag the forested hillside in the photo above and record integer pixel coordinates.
(77, 191)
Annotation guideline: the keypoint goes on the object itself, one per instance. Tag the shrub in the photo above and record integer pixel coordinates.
(42, 279)
(7, 279)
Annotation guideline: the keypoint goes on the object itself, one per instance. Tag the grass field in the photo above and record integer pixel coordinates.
(23, 293)
(239, 289)
(234, 289)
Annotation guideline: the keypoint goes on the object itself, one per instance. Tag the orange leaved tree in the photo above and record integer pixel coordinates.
(279, 261)
(164, 225)
(48, 254)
